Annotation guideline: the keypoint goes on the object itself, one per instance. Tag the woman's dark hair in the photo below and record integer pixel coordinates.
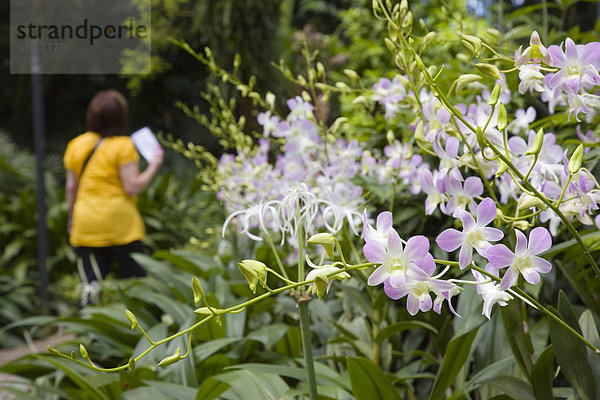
(107, 114)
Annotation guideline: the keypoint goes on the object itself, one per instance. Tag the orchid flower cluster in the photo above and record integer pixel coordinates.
(405, 267)
(576, 192)
(304, 185)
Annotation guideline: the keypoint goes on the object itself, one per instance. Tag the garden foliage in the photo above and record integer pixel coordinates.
(436, 239)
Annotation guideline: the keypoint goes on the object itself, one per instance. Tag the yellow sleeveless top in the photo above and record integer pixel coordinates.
(103, 214)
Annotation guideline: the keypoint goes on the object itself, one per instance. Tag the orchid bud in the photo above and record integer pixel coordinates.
(502, 168)
(198, 291)
(390, 45)
(489, 70)
(502, 117)
(351, 74)
(428, 39)
(537, 143)
(495, 95)
(270, 98)
(72, 355)
(254, 272)
(83, 351)
(321, 283)
(236, 61)
(419, 131)
(419, 62)
(53, 350)
(468, 47)
(465, 79)
(530, 202)
(320, 69)
(131, 364)
(480, 135)
(473, 41)
(407, 21)
(326, 240)
(403, 6)
(521, 225)
(576, 159)
(132, 319)
(172, 359)
(389, 136)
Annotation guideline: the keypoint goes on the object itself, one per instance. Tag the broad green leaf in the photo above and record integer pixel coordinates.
(455, 356)
(211, 389)
(368, 382)
(269, 334)
(254, 385)
(398, 327)
(515, 388)
(496, 369)
(205, 350)
(520, 342)
(171, 390)
(569, 352)
(71, 370)
(590, 332)
(542, 374)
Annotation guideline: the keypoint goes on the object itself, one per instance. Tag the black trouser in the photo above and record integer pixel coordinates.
(105, 256)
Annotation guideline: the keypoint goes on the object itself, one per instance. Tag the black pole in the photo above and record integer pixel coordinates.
(39, 140)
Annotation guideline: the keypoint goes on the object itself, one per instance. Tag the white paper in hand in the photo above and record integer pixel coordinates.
(146, 143)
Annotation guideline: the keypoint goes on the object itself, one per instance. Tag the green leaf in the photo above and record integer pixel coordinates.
(211, 389)
(171, 390)
(269, 334)
(515, 388)
(254, 385)
(401, 326)
(542, 374)
(590, 332)
(205, 350)
(520, 343)
(455, 356)
(570, 352)
(368, 382)
(496, 369)
(70, 369)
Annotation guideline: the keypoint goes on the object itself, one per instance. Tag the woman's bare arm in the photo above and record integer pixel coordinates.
(132, 181)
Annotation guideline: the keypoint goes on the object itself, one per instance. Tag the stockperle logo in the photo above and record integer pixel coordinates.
(80, 37)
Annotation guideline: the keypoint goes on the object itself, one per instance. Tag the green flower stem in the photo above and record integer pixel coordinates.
(564, 190)
(307, 346)
(535, 159)
(218, 312)
(279, 276)
(279, 263)
(541, 308)
(456, 113)
(145, 334)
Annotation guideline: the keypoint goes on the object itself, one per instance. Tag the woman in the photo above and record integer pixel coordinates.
(102, 183)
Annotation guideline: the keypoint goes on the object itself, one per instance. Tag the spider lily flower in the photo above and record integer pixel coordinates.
(578, 65)
(475, 235)
(524, 260)
(398, 262)
(263, 214)
(490, 293)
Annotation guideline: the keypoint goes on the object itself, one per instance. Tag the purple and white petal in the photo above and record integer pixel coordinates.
(521, 246)
(394, 293)
(450, 239)
(509, 278)
(531, 276)
(378, 276)
(468, 221)
(394, 244)
(412, 304)
(384, 221)
(426, 264)
(417, 247)
(492, 234)
(486, 211)
(499, 256)
(539, 240)
(473, 186)
(540, 265)
(374, 252)
(464, 257)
